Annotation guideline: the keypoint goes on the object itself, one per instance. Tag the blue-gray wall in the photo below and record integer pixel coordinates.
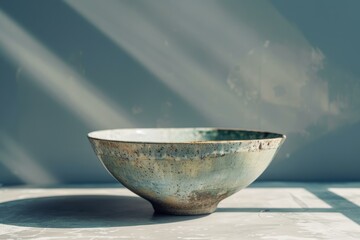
(70, 67)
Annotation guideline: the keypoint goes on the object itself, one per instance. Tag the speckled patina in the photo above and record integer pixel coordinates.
(185, 171)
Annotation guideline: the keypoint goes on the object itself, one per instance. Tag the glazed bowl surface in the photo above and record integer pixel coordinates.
(185, 171)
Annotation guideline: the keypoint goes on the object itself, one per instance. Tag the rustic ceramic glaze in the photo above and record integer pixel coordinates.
(185, 171)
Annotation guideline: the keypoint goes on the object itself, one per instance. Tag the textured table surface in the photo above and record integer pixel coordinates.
(275, 210)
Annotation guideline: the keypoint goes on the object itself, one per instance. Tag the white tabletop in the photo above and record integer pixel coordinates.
(275, 210)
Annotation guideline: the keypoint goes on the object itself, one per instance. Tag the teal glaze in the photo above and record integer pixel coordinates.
(185, 171)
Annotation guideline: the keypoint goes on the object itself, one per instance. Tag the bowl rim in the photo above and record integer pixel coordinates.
(281, 136)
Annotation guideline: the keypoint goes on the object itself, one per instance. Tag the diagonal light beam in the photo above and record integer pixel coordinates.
(135, 33)
(59, 80)
(152, 32)
(22, 164)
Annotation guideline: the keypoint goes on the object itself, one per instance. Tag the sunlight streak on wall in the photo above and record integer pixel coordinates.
(133, 31)
(59, 80)
(268, 76)
(22, 164)
(220, 65)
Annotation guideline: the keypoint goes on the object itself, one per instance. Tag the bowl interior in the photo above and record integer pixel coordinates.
(180, 135)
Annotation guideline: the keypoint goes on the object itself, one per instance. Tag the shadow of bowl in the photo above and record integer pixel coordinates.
(82, 211)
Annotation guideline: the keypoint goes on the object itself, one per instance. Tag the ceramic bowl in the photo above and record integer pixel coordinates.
(185, 171)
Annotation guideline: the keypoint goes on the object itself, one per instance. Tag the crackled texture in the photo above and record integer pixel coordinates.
(190, 175)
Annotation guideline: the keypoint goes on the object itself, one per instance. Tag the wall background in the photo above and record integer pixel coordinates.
(70, 67)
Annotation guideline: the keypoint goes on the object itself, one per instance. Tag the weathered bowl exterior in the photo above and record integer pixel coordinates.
(186, 178)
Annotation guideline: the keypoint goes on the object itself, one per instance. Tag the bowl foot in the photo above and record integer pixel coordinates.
(161, 209)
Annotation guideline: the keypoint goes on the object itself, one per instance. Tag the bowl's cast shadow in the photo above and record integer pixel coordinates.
(83, 211)
(91, 211)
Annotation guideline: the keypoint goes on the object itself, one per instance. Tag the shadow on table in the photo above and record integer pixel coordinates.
(83, 211)
(276, 210)
(337, 203)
